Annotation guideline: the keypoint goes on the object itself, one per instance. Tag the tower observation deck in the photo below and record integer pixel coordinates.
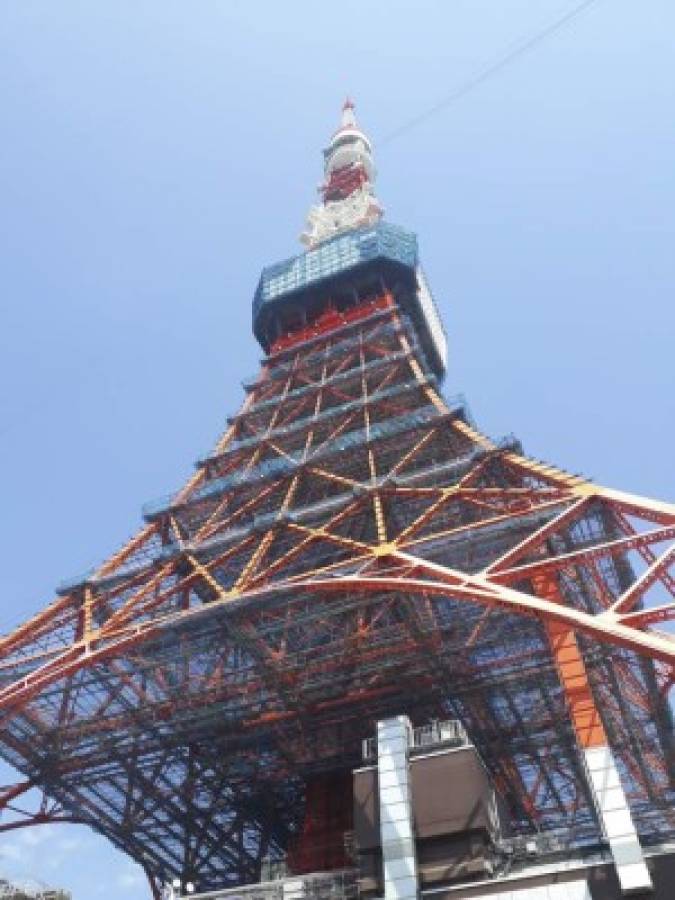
(355, 562)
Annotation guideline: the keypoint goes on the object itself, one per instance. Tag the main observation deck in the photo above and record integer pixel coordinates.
(347, 263)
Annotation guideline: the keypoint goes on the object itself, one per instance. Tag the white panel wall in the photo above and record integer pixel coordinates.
(568, 890)
(396, 824)
(616, 820)
(293, 889)
(432, 317)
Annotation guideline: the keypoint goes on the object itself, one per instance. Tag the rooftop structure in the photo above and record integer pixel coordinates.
(12, 890)
(246, 692)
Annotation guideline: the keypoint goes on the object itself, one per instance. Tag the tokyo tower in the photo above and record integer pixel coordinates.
(365, 648)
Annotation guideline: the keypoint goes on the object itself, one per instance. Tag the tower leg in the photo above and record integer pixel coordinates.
(155, 889)
(399, 862)
(599, 764)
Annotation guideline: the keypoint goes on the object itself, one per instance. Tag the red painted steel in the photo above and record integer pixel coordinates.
(328, 818)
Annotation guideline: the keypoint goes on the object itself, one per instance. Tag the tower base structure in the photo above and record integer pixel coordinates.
(428, 824)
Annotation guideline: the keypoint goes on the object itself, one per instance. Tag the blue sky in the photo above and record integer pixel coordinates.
(156, 154)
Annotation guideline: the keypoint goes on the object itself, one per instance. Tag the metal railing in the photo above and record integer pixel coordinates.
(339, 885)
(448, 733)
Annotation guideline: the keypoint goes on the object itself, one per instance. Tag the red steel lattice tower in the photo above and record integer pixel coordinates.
(353, 548)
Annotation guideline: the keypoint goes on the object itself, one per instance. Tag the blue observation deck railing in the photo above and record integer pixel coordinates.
(278, 468)
(341, 409)
(335, 256)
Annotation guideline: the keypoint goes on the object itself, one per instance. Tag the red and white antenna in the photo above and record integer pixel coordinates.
(347, 191)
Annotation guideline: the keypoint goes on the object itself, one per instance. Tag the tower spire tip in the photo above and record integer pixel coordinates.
(348, 117)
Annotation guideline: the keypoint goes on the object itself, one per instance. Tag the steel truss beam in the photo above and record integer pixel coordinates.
(352, 547)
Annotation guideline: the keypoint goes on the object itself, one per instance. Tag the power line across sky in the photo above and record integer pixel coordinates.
(525, 44)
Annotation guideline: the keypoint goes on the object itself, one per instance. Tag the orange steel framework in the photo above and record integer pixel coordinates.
(352, 548)
(177, 704)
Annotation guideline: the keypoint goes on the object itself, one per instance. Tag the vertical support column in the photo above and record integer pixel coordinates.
(599, 763)
(399, 864)
(617, 821)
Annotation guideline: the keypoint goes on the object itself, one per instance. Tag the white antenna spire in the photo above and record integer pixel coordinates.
(348, 198)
